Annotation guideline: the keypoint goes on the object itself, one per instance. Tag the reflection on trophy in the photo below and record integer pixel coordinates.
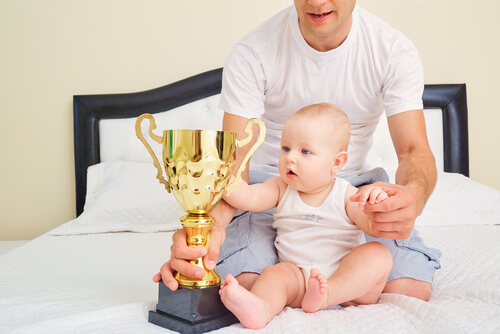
(198, 165)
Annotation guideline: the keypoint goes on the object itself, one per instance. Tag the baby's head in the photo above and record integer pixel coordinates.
(314, 145)
(327, 123)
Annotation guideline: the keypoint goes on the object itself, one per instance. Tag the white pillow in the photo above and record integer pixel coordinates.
(457, 200)
(124, 196)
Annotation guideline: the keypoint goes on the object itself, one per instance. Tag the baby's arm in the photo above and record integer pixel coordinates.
(255, 197)
(355, 210)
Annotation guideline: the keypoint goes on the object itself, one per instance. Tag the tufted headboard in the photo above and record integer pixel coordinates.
(90, 110)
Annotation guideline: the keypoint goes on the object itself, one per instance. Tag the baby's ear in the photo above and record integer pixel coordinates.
(339, 161)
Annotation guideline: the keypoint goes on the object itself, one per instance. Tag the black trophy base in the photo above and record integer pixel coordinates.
(191, 310)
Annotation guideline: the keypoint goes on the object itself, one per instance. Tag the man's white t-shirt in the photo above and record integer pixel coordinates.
(272, 72)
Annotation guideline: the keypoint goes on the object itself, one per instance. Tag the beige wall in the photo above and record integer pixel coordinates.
(51, 50)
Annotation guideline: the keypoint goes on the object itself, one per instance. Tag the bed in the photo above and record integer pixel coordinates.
(93, 274)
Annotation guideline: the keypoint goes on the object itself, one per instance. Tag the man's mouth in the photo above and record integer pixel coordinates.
(320, 15)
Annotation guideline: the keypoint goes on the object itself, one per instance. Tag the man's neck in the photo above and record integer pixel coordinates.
(327, 42)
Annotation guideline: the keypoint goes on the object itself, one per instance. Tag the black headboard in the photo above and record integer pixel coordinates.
(452, 100)
(88, 110)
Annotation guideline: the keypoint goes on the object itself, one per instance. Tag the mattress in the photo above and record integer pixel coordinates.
(94, 274)
(101, 283)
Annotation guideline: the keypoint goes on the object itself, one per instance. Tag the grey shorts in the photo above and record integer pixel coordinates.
(249, 243)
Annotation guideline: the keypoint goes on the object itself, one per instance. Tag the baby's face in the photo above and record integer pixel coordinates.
(307, 154)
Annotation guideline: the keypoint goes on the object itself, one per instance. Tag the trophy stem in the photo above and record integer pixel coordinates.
(197, 224)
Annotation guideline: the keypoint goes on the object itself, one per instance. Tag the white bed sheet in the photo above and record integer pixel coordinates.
(101, 283)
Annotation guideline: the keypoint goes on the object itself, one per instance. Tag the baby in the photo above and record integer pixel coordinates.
(324, 260)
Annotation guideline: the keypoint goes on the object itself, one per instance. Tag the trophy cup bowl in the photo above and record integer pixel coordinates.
(198, 165)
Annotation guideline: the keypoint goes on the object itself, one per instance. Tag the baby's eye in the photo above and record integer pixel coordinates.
(285, 148)
(306, 152)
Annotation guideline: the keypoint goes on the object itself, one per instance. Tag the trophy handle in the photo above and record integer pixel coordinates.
(158, 139)
(243, 142)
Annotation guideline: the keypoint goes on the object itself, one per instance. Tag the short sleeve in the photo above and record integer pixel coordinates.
(243, 83)
(403, 87)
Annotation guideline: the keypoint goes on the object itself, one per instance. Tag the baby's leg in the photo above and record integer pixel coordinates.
(278, 286)
(250, 310)
(315, 297)
(361, 275)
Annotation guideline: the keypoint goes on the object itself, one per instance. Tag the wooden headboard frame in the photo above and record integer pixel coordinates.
(88, 110)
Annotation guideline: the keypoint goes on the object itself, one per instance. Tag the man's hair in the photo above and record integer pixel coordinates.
(340, 125)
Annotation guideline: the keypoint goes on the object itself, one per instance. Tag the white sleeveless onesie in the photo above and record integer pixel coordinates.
(315, 237)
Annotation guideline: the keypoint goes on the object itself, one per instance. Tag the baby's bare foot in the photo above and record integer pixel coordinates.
(250, 310)
(316, 295)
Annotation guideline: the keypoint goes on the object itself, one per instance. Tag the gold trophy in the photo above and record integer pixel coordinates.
(198, 165)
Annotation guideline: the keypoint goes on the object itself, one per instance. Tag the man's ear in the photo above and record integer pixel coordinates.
(339, 162)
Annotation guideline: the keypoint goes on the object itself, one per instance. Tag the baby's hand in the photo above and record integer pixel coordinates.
(369, 194)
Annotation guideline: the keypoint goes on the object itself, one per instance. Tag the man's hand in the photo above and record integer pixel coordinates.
(415, 178)
(394, 217)
(181, 254)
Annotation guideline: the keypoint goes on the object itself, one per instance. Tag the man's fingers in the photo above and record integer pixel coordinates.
(211, 259)
(216, 238)
(166, 275)
(391, 230)
(187, 253)
(180, 249)
(180, 255)
(157, 278)
(186, 268)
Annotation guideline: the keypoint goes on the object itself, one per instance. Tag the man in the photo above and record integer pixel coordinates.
(325, 51)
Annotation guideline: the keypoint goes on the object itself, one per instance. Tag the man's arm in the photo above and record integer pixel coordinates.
(417, 166)
(416, 175)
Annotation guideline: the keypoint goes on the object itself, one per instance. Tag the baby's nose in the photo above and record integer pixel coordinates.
(291, 157)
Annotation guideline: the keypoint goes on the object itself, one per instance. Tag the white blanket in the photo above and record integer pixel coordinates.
(101, 283)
